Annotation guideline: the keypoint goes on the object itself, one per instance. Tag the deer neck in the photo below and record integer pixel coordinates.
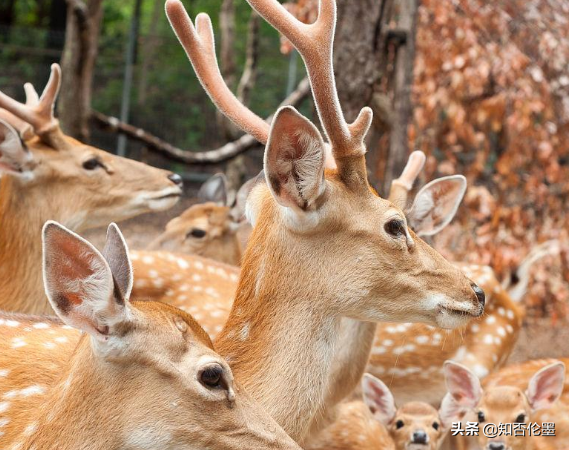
(280, 342)
(282, 354)
(21, 221)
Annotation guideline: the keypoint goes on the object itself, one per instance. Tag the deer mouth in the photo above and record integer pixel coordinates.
(450, 317)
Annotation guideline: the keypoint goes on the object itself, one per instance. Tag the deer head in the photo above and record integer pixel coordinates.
(61, 178)
(413, 426)
(375, 267)
(214, 229)
(502, 404)
(144, 374)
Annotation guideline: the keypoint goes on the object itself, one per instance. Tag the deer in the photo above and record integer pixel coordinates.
(48, 175)
(288, 309)
(375, 422)
(128, 344)
(323, 246)
(405, 355)
(213, 228)
(515, 401)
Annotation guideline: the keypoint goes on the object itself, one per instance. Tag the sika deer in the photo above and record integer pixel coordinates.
(214, 229)
(52, 176)
(505, 404)
(376, 423)
(144, 374)
(323, 245)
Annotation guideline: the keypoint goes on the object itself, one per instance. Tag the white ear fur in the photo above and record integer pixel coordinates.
(294, 161)
(215, 190)
(378, 398)
(462, 384)
(546, 386)
(15, 158)
(450, 411)
(435, 205)
(79, 283)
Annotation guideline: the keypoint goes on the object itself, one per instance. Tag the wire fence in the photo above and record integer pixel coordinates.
(166, 98)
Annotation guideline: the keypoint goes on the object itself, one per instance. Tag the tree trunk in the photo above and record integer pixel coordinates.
(149, 48)
(374, 67)
(78, 63)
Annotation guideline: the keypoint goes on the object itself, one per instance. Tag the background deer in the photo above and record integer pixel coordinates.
(309, 224)
(98, 399)
(214, 229)
(52, 176)
(519, 376)
(376, 423)
(503, 403)
(406, 355)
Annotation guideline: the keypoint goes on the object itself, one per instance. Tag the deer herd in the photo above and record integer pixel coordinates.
(334, 325)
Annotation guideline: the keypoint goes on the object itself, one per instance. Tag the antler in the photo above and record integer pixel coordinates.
(401, 186)
(314, 42)
(37, 112)
(198, 42)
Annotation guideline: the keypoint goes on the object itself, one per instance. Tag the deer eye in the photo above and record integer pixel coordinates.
(436, 425)
(520, 419)
(395, 228)
(481, 417)
(92, 164)
(211, 376)
(197, 233)
(399, 424)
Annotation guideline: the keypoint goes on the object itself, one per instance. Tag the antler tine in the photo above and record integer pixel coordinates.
(401, 186)
(314, 42)
(39, 115)
(32, 97)
(198, 42)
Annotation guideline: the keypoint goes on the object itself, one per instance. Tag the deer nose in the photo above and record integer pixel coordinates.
(479, 293)
(176, 179)
(496, 446)
(419, 437)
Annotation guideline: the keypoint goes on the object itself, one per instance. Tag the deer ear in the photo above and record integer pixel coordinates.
(116, 254)
(378, 399)
(238, 211)
(462, 384)
(79, 283)
(294, 160)
(546, 386)
(436, 204)
(451, 411)
(214, 190)
(14, 155)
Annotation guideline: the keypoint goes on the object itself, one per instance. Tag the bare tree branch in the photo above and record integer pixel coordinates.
(221, 154)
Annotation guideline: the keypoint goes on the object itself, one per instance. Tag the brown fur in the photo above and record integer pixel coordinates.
(62, 190)
(125, 399)
(221, 241)
(355, 428)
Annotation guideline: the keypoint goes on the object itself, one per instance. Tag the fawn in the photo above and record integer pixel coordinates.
(507, 404)
(376, 423)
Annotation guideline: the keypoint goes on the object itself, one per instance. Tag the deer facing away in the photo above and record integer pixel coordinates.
(144, 374)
